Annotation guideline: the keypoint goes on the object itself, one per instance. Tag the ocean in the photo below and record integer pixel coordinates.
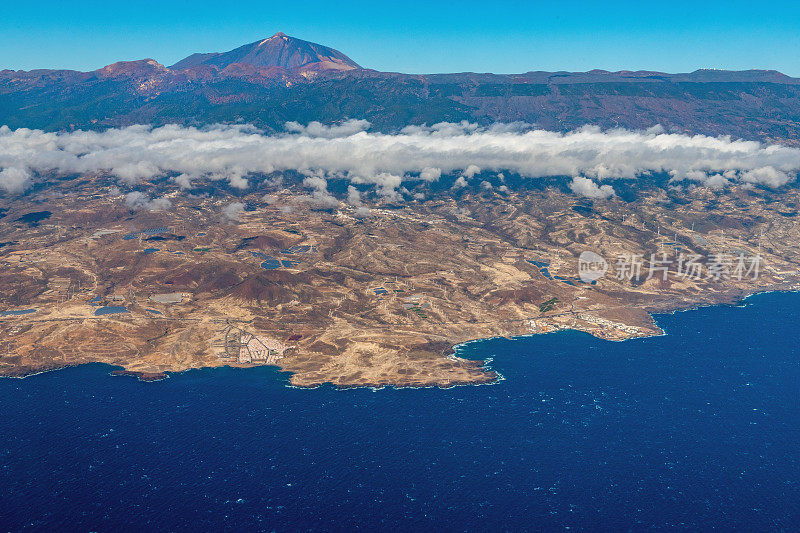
(695, 429)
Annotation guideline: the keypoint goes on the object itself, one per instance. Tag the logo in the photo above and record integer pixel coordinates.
(591, 267)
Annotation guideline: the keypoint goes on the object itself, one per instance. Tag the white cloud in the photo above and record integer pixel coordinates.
(234, 153)
(353, 195)
(275, 181)
(767, 176)
(323, 200)
(716, 182)
(139, 200)
(316, 182)
(232, 211)
(387, 184)
(320, 197)
(317, 129)
(471, 170)
(586, 187)
(430, 174)
(15, 179)
(184, 181)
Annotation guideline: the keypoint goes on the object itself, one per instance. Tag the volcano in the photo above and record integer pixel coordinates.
(280, 50)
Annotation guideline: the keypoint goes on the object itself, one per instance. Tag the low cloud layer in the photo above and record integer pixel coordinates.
(586, 187)
(139, 200)
(233, 211)
(240, 153)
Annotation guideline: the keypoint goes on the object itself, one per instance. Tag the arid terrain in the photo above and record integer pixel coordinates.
(369, 296)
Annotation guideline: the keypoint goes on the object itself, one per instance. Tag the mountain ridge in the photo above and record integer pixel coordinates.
(310, 53)
(281, 79)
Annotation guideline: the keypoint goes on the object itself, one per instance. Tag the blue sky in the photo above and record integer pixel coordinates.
(419, 37)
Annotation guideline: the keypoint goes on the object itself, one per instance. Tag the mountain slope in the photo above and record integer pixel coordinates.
(280, 79)
(280, 50)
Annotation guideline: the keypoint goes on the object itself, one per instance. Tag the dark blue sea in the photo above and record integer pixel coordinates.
(697, 429)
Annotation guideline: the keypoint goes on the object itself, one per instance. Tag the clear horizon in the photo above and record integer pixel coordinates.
(504, 37)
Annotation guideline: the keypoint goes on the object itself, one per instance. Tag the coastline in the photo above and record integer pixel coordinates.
(456, 352)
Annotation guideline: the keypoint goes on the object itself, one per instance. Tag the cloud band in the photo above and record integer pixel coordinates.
(347, 150)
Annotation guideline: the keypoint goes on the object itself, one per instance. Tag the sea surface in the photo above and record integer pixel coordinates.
(696, 429)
